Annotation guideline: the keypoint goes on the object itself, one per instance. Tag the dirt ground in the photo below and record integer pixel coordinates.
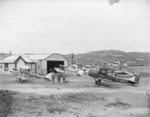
(79, 98)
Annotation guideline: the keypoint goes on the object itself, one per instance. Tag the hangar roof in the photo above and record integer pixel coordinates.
(38, 57)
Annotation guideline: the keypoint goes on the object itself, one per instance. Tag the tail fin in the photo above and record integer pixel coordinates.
(135, 79)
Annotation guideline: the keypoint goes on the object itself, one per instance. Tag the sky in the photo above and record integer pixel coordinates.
(74, 26)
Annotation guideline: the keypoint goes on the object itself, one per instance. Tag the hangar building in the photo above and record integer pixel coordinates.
(39, 64)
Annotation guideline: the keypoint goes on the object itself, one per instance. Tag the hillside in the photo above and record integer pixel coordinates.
(99, 57)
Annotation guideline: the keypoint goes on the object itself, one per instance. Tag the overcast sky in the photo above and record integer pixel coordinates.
(78, 26)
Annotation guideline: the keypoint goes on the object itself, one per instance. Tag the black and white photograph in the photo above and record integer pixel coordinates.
(74, 58)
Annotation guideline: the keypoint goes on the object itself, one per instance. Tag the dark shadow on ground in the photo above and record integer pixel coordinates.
(110, 85)
(5, 103)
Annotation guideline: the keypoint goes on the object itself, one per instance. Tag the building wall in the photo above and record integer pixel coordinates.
(39, 67)
(20, 62)
(32, 67)
(11, 66)
(1, 66)
(44, 67)
(33, 70)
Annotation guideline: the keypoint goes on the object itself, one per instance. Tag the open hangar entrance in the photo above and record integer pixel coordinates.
(52, 64)
(53, 60)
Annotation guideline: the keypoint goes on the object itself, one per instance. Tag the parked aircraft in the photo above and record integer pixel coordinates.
(23, 73)
(23, 70)
(109, 75)
(70, 70)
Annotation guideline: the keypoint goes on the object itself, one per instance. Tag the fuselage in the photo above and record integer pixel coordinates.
(110, 75)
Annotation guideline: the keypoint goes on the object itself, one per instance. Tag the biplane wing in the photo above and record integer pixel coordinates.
(70, 70)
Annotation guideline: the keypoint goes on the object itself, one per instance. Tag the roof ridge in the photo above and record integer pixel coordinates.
(30, 58)
(27, 57)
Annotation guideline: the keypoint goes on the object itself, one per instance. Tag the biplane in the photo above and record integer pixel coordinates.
(71, 70)
(109, 75)
(22, 71)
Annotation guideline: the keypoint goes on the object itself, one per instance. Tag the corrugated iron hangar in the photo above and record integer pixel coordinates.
(39, 64)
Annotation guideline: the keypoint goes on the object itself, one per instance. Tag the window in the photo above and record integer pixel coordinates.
(6, 67)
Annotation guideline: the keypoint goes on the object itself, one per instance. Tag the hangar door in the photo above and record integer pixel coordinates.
(52, 64)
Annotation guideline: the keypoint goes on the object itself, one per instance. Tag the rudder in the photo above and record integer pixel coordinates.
(137, 77)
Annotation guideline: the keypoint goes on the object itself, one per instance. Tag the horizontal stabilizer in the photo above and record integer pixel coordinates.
(135, 79)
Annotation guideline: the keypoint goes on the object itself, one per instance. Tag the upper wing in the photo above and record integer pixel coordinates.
(59, 70)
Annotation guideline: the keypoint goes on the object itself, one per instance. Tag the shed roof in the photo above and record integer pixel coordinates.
(27, 58)
(10, 59)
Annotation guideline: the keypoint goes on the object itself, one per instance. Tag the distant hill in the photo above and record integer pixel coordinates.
(103, 56)
(99, 57)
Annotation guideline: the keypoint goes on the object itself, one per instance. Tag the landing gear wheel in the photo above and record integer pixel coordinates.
(18, 80)
(98, 82)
